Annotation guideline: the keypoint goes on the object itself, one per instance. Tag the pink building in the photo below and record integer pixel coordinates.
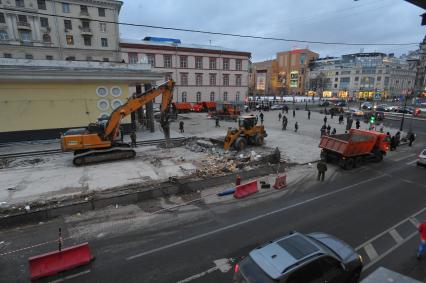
(201, 72)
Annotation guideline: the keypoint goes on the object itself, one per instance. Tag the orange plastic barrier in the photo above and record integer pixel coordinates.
(246, 189)
(280, 182)
(54, 262)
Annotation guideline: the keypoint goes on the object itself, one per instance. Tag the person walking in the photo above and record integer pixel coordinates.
(294, 113)
(296, 127)
(331, 114)
(411, 139)
(286, 109)
(422, 244)
(284, 122)
(357, 124)
(340, 119)
(279, 116)
(261, 118)
(325, 119)
(181, 127)
(328, 129)
(334, 131)
(309, 114)
(133, 139)
(397, 139)
(392, 143)
(217, 125)
(323, 130)
(322, 167)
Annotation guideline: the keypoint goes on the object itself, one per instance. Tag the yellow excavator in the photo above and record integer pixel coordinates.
(100, 141)
(248, 132)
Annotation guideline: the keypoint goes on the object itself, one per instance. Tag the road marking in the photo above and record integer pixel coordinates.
(71, 276)
(396, 236)
(370, 251)
(222, 264)
(411, 162)
(258, 217)
(404, 157)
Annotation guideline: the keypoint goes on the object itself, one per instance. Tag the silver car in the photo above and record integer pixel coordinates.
(422, 158)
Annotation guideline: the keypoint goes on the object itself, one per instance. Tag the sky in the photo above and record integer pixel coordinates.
(362, 21)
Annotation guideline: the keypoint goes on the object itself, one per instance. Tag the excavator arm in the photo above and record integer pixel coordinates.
(137, 101)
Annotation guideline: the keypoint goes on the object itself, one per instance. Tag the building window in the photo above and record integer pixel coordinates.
(68, 24)
(151, 59)
(29, 56)
(49, 57)
(199, 79)
(44, 22)
(3, 35)
(237, 96)
(85, 24)
(336, 79)
(87, 40)
(104, 42)
(65, 8)
(226, 80)
(337, 73)
(183, 78)
(70, 39)
(225, 63)
(83, 10)
(41, 4)
(25, 35)
(238, 80)
(225, 96)
(70, 58)
(19, 3)
(212, 79)
(133, 57)
(46, 38)
(184, 96)
(356, 79)
(379, 79)
(167, 61)
(212, 96)
(183, 62)
(198, 96)
(212, 63)
(102, 27)
(22, 18)
(2, 19)
(7, 55)
(335, 85)
(169, 76)
(198, 62)
(238, 64)
(101, 12)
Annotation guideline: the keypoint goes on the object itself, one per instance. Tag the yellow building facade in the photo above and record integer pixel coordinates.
(39, 102)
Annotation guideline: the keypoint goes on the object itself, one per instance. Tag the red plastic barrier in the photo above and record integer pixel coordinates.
(54, 262)
(246, 189)
(280, 182)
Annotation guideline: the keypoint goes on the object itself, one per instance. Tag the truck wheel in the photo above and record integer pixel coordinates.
(349, 163)
(325, 156)
(358, 162)
(240, 143)
(258, 140)
(379, 156)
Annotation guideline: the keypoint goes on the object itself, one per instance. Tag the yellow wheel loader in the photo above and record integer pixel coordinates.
(248, 132)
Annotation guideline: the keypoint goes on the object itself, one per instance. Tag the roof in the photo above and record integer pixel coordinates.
(277, 257)
(54, 70)
(133, 43)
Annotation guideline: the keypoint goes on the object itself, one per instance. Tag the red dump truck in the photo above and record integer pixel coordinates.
(354, 148)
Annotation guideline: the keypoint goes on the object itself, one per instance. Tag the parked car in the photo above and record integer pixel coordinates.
(297, 258)
(422, 158)
(324, 103)
(406, 110)
(355, 112)
(382, 107)
(341, 103)
(367, 105)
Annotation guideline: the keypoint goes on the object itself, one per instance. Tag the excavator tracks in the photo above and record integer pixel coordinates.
(98, 156)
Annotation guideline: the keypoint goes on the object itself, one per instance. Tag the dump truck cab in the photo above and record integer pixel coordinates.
(248, 132)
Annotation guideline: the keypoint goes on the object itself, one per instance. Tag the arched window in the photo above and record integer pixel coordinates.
(225, 96)
(184, 96)
(237, 96)
(198, 96)
(46, 38)
(212, 96)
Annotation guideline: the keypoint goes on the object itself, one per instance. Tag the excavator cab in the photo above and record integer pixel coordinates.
(248, 132)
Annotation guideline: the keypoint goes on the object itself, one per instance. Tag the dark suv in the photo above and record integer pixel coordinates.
(299, 258)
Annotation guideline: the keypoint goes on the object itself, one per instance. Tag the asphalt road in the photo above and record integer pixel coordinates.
(364, 207)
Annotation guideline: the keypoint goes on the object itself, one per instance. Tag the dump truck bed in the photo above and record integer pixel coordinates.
(350, 144)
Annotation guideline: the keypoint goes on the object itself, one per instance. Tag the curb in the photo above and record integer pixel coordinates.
(136, 194)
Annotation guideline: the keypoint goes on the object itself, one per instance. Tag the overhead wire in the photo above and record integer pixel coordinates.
(219, 33)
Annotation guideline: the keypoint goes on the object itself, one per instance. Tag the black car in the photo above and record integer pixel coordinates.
(341, 104)
(299, 258)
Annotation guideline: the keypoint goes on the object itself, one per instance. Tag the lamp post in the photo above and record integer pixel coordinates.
(403, 113)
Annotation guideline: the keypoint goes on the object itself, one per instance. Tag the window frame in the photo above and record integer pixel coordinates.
(198, 96)
(167, 58)
(198, 62)
(199, 79)
(41, 4)
(45, 20)
(2, 18)
(225, 79)
(89, 38)
(225, 64)
(102, 27)
(4, 35)
(27, 32)
(238, 64)
(238, 80)
(212, 96)
(183, 79)
(66, 8)
(183, 61)
(132, 56)
(104, 42)
(212, 63)
(212, 78)
(225, 96)
(184, 96)
(66, 22)
(21, 3)
(103, 14)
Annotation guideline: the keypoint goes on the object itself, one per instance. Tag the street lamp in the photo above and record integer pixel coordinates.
(403, 113)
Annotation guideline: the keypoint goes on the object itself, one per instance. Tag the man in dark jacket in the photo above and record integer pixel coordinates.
(285, 121)
(309, 114)
(325, 120)
(411, 139)
(261, 117)
(322, 167)
(357, 124)
(181, 126)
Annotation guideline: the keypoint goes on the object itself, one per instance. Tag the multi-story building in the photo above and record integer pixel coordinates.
(66, 30)
(201, 72)
(361, 75)
(420, 62)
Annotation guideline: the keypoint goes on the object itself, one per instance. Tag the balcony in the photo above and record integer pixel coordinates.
(84, 14)
(23, 25)
(86, 31)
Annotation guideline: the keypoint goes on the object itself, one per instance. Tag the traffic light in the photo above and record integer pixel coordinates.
(372, 119)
